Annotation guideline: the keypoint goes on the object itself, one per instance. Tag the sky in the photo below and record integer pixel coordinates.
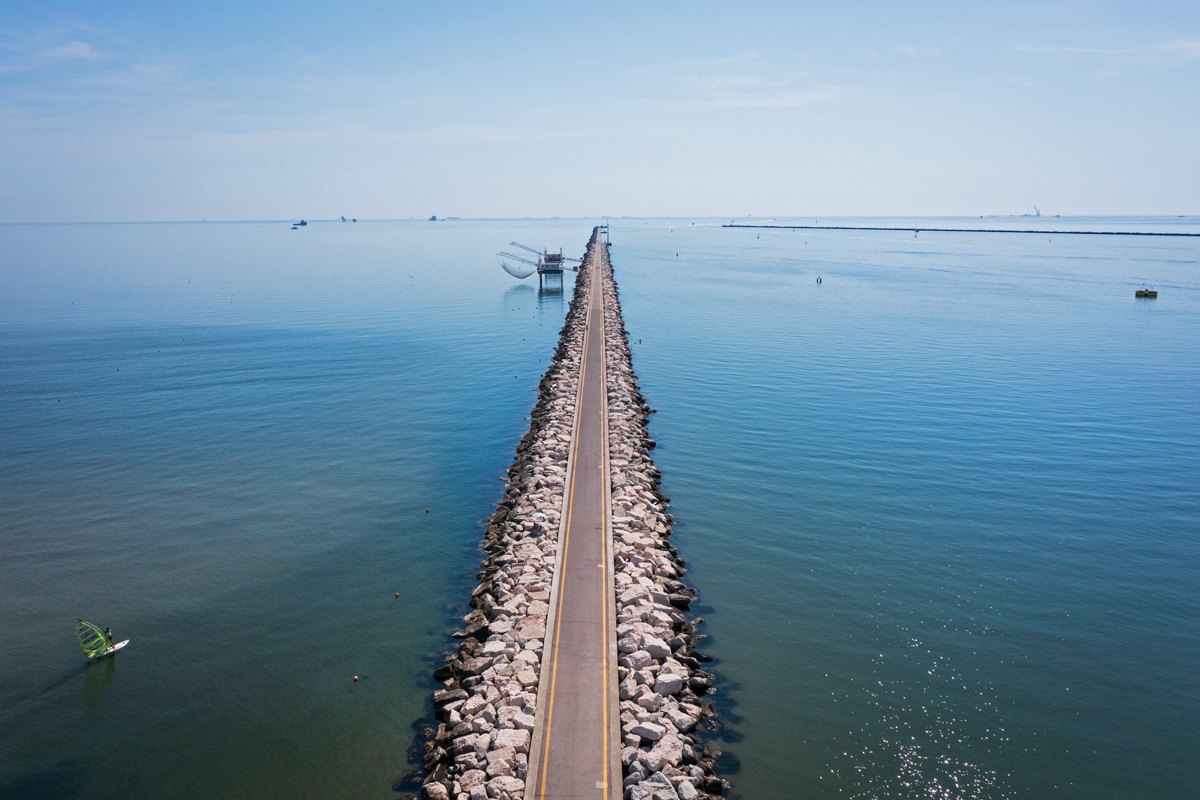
(139, 111)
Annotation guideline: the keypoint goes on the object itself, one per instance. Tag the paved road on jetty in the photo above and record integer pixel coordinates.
(576, 747)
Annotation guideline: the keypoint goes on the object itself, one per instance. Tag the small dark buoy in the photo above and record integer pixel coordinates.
(427, 511)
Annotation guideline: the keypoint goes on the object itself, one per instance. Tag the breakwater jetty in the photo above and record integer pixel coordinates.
(577, 675)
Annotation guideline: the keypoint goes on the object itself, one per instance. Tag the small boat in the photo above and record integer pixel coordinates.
(94, 642)
(1144, 292)
(301, 223)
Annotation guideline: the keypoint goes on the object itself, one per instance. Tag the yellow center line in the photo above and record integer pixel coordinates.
(605, 582)
(566, 545)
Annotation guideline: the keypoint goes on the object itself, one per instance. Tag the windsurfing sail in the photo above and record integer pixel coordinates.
(91, 638)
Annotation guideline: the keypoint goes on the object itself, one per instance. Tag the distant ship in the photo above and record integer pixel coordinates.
(1144, 292)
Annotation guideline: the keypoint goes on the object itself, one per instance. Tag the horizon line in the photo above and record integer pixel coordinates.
(731, 223)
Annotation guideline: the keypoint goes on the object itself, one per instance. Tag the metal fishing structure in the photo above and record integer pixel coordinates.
(547, 263)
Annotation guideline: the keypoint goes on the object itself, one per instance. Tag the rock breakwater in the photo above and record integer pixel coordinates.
(487, 709)
(662, 686)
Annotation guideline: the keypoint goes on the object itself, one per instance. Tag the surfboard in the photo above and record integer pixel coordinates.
(109, 651)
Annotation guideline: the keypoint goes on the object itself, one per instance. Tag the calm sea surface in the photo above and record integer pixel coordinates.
(942, 509)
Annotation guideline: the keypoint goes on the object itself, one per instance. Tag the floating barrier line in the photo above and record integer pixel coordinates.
(961, 230)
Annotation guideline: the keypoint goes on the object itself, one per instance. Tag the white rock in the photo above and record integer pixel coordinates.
(682, 722)
(435, 791)
(504, 783)
(655, 647)
(525, 657)
(638, 659)
(473, 706)
(627, 644)
(651, 702)
(471, 779)
(669, 749)
(668, 684)
(632, 594)
(501, 754)
(516, 739)
(648, 730)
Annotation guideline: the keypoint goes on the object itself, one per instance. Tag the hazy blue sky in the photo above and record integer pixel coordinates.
(140, 111)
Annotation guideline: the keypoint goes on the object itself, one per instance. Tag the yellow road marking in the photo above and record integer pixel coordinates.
(566, 546)
(604, 539)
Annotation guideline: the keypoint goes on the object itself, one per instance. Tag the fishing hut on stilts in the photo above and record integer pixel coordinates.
(547, 263)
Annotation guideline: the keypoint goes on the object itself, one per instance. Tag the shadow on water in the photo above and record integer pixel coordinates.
(520, 297)
(63, 781)
(408, 785)
(95, 681)
(37, 692)
(719, 730)
(550, 292)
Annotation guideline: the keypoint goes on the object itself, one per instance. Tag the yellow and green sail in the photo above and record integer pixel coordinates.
(91, 638)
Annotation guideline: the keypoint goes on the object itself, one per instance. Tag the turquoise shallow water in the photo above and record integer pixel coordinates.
(940, 509)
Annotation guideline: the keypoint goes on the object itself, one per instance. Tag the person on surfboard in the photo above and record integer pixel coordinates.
(97, 643)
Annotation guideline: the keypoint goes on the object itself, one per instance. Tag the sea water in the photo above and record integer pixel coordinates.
(940, 507)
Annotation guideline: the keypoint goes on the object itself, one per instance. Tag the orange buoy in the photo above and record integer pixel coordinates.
(397, 595)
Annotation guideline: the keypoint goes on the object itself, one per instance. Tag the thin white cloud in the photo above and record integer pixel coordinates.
(790, 100)
(74, 50)
(1189, 48)
(717, 83)
(719, 61)
(1093, 50)
(136, 76)
(748, 90)
(917, 52)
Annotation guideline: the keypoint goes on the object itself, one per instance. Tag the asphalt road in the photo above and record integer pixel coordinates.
(576, 747)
